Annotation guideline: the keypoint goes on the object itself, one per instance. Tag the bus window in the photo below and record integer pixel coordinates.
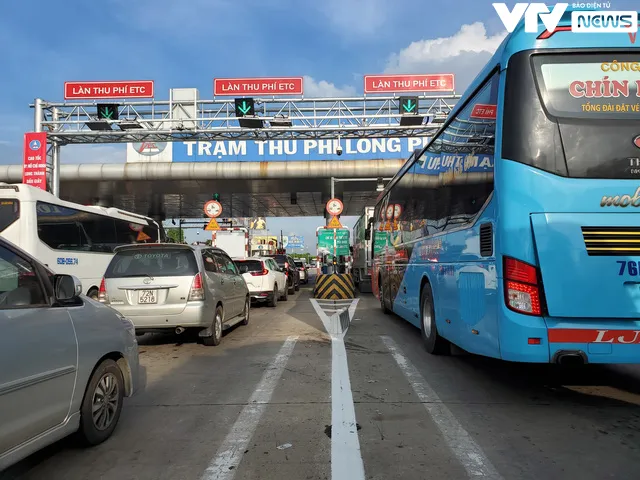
(572, 114)
(9, 213)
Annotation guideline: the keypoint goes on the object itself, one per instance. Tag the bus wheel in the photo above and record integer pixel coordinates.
(383, 306)
(433, 342)
(93, 294)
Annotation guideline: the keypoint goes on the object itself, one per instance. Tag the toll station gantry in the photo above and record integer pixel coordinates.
(242, 111)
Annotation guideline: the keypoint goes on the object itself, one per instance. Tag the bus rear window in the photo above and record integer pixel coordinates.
(574, 113)
(9, 213)
(589, 85)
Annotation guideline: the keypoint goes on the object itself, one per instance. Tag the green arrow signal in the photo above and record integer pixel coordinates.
(409, 105)
(107, 113)
(244, 108)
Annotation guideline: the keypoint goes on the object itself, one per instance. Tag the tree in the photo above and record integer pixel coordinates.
(176, 235)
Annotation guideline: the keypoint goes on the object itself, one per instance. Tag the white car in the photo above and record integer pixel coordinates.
(265, 279)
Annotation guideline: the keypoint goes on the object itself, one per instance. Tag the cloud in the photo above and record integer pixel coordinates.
(463, 54)
(322, 88)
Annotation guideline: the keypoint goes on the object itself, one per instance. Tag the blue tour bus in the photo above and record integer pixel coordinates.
(515, 233)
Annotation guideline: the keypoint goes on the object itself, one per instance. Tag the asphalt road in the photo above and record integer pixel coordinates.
(259, 406)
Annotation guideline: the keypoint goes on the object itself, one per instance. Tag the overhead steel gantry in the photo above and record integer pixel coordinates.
(182, 120)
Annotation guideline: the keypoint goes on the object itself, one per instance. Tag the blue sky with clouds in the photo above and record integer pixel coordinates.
(189, 42)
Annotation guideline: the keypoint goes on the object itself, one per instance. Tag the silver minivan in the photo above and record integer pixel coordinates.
(173, 287)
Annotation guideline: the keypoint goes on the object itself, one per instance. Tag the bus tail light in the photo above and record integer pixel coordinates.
(522, 287)
(197, 292)
(102, 293)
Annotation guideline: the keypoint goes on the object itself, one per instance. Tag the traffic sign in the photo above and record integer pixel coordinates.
(244, 106)
(107, 111)
(258, 86)
(408, 105)
(143, 237)
(212, 225)
(109, 89)
(212, 208)
(325, 241)
(481, 110)
(334, 223)
(34, 161)
(409, 83)
(335, 207)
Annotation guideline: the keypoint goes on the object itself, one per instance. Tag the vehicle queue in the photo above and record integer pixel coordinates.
(72, 376)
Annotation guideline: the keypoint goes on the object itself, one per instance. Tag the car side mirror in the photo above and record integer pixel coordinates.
(66, 287)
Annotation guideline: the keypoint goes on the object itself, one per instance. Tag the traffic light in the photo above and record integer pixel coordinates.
(245, 106)
(408, 105)
(107, 111)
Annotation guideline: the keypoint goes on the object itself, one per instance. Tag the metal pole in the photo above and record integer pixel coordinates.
(333, 193)
(55, 162)
(335, 249)
(37, 115)
(55, 169)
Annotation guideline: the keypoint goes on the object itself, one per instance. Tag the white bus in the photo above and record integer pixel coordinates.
(67, 237)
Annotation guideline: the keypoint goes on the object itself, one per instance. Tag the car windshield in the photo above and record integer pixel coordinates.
(246, 266)
(152, 262)
(299, 264)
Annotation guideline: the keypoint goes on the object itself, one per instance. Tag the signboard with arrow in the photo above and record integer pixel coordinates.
(107, 111)
(244, 106)
(408, 105)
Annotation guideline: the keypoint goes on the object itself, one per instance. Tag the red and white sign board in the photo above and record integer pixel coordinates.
(409, 83)
(123, 89)
(257, 86)
(34, 167)
(483, 111)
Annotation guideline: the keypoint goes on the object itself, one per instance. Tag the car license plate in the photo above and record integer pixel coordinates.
(147, 296)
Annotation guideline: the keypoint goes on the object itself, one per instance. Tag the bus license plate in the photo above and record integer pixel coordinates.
(147, 296)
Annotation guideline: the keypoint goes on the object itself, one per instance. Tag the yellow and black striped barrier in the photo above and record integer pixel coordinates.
(334, 286)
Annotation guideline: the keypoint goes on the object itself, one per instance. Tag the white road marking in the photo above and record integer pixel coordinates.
(225, 464)
(346, 458)
(468, 452)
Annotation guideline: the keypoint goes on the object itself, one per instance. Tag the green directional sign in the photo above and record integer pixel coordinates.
(408, 105)
(244, 106)
(107, 111)
(325, 241)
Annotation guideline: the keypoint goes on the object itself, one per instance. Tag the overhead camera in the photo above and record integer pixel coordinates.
(339, 150)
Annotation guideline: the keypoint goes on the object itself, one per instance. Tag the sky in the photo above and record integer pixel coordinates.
(332, 43)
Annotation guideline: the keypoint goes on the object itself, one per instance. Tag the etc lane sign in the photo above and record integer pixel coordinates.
(296, 150)
(257, 86)
(409, 83)
(124, 89)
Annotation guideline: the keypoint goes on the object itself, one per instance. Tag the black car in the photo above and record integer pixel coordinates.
(290, 270)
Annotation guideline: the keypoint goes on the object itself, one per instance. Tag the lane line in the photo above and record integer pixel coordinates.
(468, 452)
(225, 464)
(346, 457)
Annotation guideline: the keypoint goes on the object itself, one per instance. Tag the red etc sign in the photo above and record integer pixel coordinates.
(34, 167)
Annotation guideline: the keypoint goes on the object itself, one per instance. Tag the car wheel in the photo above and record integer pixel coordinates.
(285, 295)
(292, 288)
(102, 403)
(247, 310)
(93, 294)
(215, 339)
(273, 300)
(297, 286)
(433, 342)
